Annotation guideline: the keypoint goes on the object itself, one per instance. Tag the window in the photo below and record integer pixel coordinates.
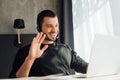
(89, 18)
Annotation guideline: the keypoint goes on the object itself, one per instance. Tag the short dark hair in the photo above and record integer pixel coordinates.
(40, 17)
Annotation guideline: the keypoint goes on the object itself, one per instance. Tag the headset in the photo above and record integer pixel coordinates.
(39, 29)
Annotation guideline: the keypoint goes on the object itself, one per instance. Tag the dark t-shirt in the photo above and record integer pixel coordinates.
(58, 58)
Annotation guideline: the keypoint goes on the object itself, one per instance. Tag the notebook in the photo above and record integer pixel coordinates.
(105, 56)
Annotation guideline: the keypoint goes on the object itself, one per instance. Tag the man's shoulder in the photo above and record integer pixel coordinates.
(64, 45)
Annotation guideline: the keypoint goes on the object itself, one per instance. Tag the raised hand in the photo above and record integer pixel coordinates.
(35, 51)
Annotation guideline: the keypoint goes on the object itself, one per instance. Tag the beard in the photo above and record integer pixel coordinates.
(48, 39)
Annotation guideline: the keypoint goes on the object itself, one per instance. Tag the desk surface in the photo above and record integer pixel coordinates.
(71, 77)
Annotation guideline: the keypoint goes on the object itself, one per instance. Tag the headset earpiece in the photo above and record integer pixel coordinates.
(38, 29)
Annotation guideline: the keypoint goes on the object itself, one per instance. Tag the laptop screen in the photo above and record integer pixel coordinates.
(105, 56)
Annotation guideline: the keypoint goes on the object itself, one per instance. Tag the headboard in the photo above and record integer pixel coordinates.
(8, 50)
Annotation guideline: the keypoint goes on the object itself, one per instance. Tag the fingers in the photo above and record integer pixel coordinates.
(40, 37)
(44, 48)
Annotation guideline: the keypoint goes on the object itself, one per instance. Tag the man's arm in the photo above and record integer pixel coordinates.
(34, 53)
(78, 64)
(25, 68)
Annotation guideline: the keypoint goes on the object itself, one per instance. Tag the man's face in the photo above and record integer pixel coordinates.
(50, 27)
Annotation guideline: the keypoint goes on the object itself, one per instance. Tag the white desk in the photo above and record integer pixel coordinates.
(72, 77)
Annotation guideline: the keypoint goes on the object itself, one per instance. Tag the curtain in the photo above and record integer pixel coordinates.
(90, 17)
(67, 23)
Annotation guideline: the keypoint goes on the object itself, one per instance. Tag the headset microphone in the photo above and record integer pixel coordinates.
(57, 37)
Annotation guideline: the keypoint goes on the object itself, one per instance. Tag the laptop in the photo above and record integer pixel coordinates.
(104, 58)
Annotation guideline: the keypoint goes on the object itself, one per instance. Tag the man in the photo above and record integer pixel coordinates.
(45, 56)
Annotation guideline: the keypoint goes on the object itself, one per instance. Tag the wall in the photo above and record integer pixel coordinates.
(25, 9)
